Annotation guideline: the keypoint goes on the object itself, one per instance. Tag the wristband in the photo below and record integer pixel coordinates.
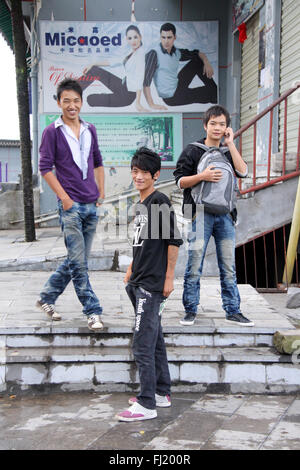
(100, 200)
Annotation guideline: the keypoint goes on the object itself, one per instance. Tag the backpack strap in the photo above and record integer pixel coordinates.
(202, 146)
(222, 149)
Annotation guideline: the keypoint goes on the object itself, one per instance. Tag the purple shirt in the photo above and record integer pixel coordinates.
(55, 152)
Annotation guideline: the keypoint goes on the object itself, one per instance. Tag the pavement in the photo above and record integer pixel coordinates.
(86, 420)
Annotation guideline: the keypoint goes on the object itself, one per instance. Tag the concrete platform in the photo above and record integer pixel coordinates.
(210, 355)
(20, 290)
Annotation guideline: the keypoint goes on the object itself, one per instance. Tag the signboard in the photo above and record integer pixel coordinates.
(119, 136)
(132, 68)
(242, 10)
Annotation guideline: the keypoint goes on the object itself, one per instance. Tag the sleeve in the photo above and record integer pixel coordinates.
(184, 166)
(98, 161)
(175, 237)
(188, 55)
(168, 224)
(47, 151)
(150, 67)
(140, 71)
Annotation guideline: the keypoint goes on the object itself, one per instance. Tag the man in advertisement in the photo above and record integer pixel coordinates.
(70, 146)
(162, 64)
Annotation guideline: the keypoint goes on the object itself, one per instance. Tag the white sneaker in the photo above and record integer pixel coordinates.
(49, 310)
(162, 401)
(94, 323)
(136, 413)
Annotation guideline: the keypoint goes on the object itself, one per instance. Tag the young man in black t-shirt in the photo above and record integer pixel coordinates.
(150, 280)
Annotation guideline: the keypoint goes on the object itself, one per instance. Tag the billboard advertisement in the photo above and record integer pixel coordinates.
(132, 67)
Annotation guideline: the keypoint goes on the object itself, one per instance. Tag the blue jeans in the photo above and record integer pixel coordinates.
(148, 346)
(221, 227)
(78, 225)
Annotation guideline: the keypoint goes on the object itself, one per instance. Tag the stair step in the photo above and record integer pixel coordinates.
(207, 369)
(124, 340)
(119, 354)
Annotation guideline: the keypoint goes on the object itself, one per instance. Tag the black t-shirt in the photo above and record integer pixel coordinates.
(187, 166)
(155, 229)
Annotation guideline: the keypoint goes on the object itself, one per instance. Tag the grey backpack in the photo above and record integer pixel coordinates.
(217, 197)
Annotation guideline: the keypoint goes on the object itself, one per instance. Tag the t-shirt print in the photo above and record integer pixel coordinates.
(140, 222)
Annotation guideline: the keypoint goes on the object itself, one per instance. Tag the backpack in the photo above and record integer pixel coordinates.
(217, 197)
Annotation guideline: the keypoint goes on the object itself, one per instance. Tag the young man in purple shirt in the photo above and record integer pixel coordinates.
(70, 146)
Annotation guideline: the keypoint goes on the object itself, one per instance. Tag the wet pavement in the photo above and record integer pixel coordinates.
(86, 421)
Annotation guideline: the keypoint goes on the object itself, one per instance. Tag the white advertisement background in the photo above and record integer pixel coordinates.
(58, 62)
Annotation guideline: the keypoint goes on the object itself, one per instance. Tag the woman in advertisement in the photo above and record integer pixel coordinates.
(128, 90)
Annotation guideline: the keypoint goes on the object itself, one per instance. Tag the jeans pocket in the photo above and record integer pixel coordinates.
(74, 205)
(145, 292)
(228, 215)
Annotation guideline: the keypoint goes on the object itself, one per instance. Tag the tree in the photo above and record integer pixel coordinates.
(23, 108)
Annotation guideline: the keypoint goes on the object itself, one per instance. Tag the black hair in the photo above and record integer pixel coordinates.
(68, 84)
(168, 27)
(135, 28)
(146, 160)
(216, 110)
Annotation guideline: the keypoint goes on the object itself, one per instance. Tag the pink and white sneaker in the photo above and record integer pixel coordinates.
(136, 413)
(162, 401)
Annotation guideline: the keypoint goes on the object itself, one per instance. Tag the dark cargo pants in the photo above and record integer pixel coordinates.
(149, 346)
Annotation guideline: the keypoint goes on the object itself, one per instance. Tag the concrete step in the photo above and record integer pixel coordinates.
(234, 370)
(206, 335)
(123, 354)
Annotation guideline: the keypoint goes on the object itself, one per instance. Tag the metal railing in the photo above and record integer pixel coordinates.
(262, 259)
(253, 124)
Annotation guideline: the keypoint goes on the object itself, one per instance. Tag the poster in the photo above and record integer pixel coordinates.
(125, 68)
(243, 9)
(120, 135)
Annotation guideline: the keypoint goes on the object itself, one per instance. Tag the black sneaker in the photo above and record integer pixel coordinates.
(239, 319)
(189, 319)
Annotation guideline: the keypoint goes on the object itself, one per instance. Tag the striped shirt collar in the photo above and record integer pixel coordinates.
(164, 51)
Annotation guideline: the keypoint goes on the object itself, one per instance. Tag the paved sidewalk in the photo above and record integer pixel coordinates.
(20, 290)
(208, 422)
(48, 250)
(22, 276)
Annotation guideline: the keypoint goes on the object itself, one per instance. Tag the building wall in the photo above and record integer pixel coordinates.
(275, 28)
(268, 35)
(10, 163)
(290, 72)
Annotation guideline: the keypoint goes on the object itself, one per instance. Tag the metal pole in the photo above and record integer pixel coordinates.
(293, 240)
